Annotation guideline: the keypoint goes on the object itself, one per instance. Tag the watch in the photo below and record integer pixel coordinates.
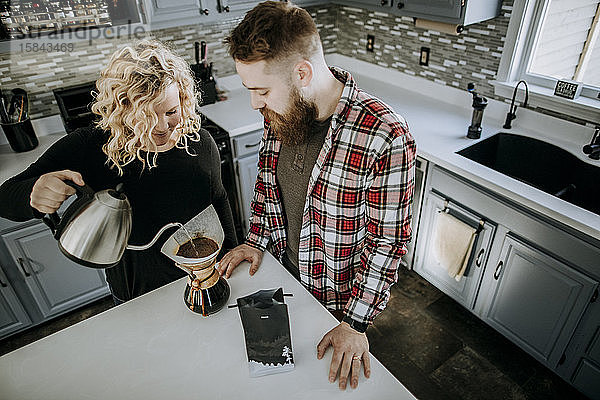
(360, 327)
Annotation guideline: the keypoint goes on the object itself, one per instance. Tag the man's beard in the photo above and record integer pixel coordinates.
(293, 126)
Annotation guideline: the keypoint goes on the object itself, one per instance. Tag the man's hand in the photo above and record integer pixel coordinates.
(350, 349)
(50, 190)
(241, 253)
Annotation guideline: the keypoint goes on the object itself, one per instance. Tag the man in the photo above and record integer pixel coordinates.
(335, 180)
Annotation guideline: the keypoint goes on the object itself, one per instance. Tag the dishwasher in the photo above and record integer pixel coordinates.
(420, 175)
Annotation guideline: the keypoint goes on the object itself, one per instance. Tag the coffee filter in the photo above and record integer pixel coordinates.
(205, 224)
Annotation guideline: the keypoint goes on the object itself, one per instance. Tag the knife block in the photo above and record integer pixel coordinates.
(208, 91)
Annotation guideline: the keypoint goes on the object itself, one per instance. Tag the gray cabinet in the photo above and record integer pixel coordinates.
(13, 316)
(458, 12)
(55, 283)
(536, 298)
(534, 282)
(41, 283)
(465, 289)
(451, 9)
(167, 13)
(245, 149)
(580, 363)
(235, 5)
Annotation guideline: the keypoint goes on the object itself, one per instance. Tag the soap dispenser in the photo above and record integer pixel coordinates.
(479, 104)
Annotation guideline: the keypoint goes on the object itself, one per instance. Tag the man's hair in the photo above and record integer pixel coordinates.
(274, 31)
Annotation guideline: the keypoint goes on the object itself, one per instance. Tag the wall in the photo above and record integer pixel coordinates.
(472, 56)
(455, 60)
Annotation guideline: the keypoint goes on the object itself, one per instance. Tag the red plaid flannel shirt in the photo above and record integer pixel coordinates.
(358, 209)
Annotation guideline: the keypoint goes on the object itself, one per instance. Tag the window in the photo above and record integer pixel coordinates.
(548, 40)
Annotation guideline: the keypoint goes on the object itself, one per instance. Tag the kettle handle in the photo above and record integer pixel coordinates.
(56, 224)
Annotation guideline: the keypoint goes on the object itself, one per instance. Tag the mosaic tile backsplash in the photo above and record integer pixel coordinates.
(472, 56)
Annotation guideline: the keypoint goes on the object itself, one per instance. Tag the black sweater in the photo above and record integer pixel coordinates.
(178, 188)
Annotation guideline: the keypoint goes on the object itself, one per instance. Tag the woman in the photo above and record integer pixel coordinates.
(147, 137)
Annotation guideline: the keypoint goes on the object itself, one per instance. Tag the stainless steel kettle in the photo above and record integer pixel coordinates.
(95, 228)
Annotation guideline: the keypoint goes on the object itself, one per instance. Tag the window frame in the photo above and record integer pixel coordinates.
(521, 37)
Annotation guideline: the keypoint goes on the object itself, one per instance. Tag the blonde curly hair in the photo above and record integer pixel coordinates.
(133, 82)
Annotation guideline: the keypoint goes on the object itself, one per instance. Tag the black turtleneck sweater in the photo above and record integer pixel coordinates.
(181, 186)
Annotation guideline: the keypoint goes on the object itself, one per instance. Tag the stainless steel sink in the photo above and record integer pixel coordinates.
(542, 165)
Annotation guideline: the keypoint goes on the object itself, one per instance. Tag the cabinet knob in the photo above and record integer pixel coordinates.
(384, 2)
(22, 265)
(204, 11)
(226, 8)
(400, 5)
(498, 270)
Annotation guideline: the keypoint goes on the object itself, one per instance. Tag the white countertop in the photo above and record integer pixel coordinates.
(438, 117)
(153, 347)
(12, 163)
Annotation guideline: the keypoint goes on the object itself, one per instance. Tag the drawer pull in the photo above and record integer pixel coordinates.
(22, 265)
(248, 146)
(498, 270)
(478, 259)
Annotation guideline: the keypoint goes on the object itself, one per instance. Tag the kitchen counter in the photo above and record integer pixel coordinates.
(438, 117)
(153, 347)
(12, 163)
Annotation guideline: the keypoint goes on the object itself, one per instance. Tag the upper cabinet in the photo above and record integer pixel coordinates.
(458, 12)
(167, 13)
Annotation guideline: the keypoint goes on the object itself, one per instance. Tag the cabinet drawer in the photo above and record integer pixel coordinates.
(248, 143)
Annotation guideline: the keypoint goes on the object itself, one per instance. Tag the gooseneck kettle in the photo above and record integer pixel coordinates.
(95, 228)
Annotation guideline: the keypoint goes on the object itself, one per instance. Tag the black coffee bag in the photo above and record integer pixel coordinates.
(267, 331)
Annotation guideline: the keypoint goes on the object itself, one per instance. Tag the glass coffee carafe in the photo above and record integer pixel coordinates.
(194, 248)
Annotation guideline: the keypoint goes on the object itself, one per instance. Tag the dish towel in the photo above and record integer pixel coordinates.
(453, 243)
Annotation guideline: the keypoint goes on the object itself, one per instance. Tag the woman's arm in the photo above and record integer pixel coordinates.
(16, 192)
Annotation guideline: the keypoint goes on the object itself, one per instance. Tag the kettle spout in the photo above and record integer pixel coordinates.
(160, 232)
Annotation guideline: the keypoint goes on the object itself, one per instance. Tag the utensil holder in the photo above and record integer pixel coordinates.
(21, 136)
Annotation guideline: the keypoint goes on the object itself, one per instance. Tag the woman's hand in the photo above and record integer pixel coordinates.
(241, 253)
(50, 190)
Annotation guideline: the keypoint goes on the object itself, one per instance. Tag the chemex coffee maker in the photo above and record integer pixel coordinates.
(95, 228)
(194, 248)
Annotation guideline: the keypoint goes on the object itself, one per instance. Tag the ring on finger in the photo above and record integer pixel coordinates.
(356, 358)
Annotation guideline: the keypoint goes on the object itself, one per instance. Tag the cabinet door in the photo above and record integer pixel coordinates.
(165, 13)
(247, 170)
(12, 314)
(536, 299)
(433, 8)
(465, 290)
(56, 284)
(236, 5)
(581, 362)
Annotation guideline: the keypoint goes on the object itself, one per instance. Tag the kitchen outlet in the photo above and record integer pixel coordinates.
(424, 59)
(370, 43)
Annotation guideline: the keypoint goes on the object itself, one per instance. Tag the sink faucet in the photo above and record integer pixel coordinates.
(593, 149)
(512, 111)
